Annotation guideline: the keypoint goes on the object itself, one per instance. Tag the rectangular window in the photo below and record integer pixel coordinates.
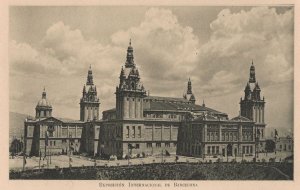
(250, 151)
(158, 145)
(54, 143)
(223, 137)
(247, 149)
(133, 131)
(137, 146)
(127, 134)
(217, 150)
(284, 147)
(208, 150)
(167, 144)
(139, 131)
(50, 143)
(208, 136)
(243, 149)
(149, 145)
(213, 150)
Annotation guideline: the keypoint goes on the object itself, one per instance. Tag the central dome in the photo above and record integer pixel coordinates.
(44, 103)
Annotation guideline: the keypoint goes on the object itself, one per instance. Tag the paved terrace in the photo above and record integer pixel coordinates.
(62, 161)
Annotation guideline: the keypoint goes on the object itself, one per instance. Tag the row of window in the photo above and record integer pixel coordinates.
(133, 135)
(247, 149)
(213, 150)
(138, 99)
(284, 147)
(169, 116)
(214, 136)
(158, 145)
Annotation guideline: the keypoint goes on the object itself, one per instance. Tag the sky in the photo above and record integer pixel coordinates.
(52, 47)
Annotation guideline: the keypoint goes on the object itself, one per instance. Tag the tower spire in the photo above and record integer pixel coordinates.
(189, 90)
(252, 74)
(129, 58)
(89, 80)
(44, 93)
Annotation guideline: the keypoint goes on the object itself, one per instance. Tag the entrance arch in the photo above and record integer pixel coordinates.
(229, 150)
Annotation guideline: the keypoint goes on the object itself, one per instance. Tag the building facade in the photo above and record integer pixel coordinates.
(284, 144)
(45, 134)
(141, 124)
(209, 135)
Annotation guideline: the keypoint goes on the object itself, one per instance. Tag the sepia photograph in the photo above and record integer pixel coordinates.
(185, 93)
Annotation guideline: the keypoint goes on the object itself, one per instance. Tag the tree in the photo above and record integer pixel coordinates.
(16, 146)
(270, 145)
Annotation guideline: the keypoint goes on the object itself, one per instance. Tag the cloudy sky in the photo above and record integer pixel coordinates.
(214, 46)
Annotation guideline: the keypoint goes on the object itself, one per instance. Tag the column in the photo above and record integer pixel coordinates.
(126, 107)
(259, 109)
(240, 138)
(205, 132)
(263, 115)
(76, 131)
(220, 133)
(171, 132)
(85, 113)
(153, 131)
(162, 130)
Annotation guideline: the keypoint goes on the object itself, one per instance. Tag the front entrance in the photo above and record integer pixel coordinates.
(229, 150)
(223, 151)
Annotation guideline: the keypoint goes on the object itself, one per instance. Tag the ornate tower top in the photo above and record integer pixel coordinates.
(129, 58)
(43, 108)
(44, 94)
(44, 102)
(252, 74)
(189, 94)
(89, 99)
(89, 80)
(189, 89)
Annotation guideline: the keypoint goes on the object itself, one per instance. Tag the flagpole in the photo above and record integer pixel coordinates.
(24, 155)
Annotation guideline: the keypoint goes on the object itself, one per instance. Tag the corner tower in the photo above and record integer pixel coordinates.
(253, 106)
(89, 103)
(189, 94)
(130, 92)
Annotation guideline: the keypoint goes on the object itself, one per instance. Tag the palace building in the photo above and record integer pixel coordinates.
(46, 134)
(141, 124)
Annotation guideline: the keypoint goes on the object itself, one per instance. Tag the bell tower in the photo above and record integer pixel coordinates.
(130, 92)
(89, 103)
(189, 94)
(253, 106)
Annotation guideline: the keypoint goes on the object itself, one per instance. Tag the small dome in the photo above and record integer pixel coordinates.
(44, 103)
